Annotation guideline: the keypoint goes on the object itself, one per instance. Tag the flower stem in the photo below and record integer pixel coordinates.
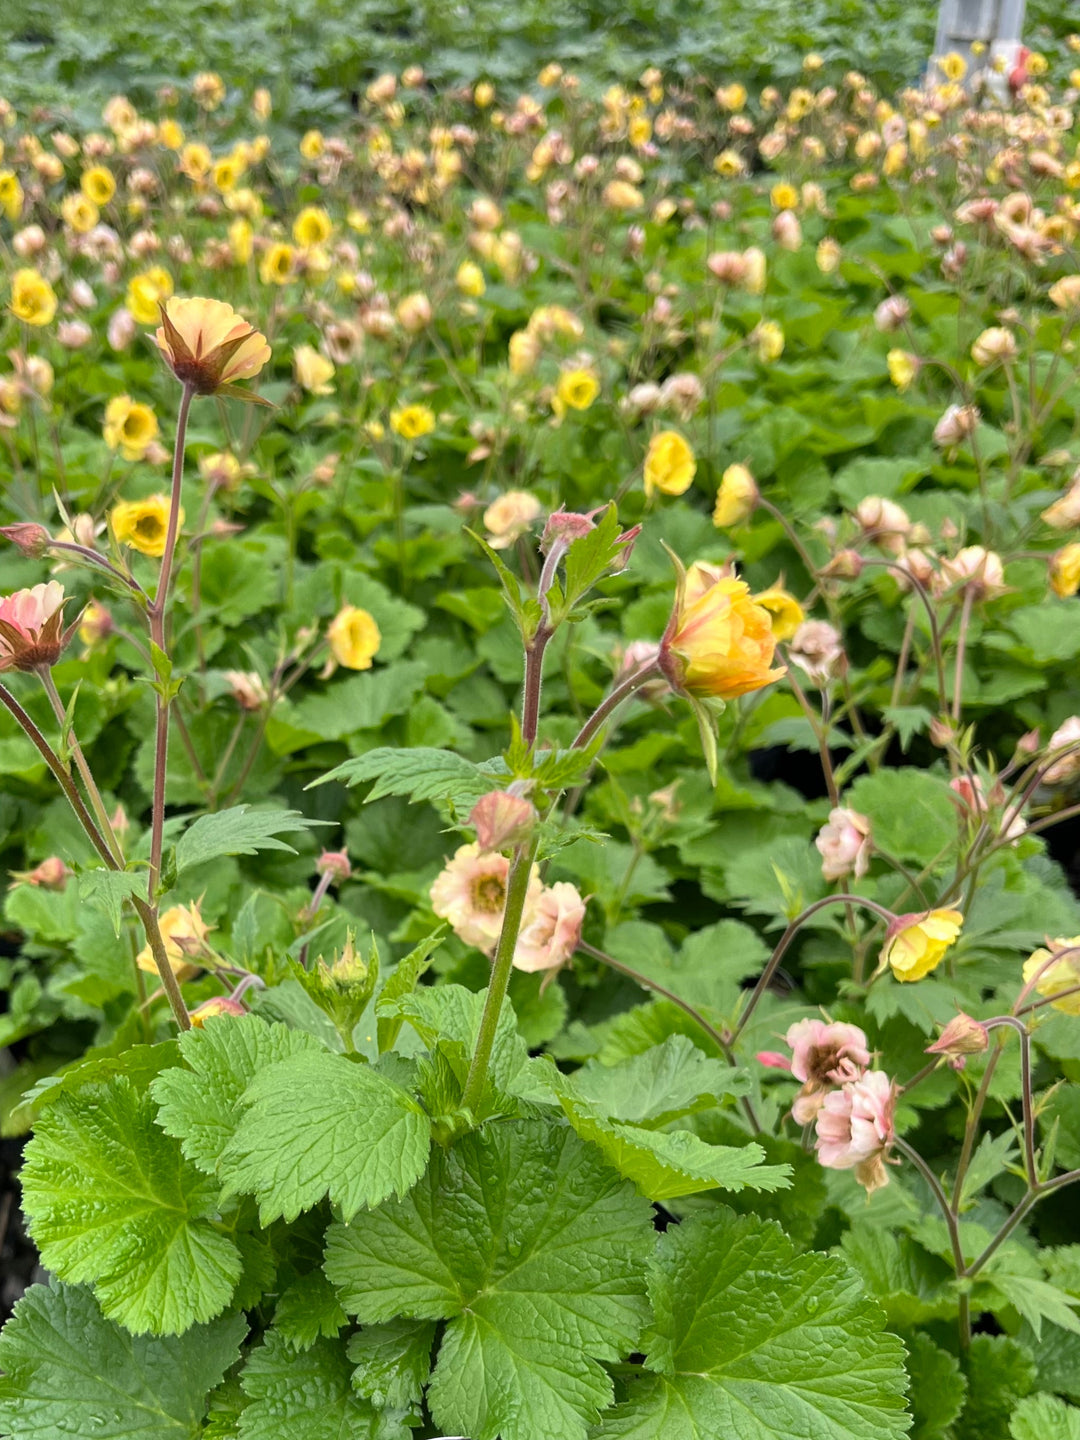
(611, 703)
(104, 823)
(517, 888)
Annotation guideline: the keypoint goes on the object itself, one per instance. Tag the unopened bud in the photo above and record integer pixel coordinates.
(32, 540)
(942, 733)
(334, 863)
(565, 526)
(845, 565)
(501, 819)
(1029, 743)
(962, 1036)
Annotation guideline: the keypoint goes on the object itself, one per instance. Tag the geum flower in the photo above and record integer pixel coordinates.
(209, 347)
(855, 1129)
(916, 944)
(32, 631)
(719, 643)
(823, 1055)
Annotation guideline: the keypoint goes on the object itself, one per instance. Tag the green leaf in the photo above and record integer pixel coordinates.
(405, 978)
(239, 831)
(200, 1106)
(318, 1125)
(533, 1251)
(393, 1361)
(1045, 1417)
(108, 889)
(307, 1310)
(69, 1371)
(361, 702)
(903, 1277)
(111, 1200)
(421, 774)
(937, 1389)
(999, 1373)
(994, 1154)
(1035, 1299)
(912, 814)
(308, 1399)
(660, 1085)
(754, 1340)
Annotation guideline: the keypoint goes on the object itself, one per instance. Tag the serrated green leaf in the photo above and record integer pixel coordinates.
(66, 1370)
(911, 811)
(318, 1125)
(993, 1155)
(903, 1277)
(111, 1200)
(405, 978)
(651, 1089)
(421, 774)
(140, 1063)
(200, 1106)
(308, 1399)
(239, 831)
(1035, 1299)
(392, 1362)
(107, 890)
(999, 1373)
(751, 1339)
(533, 1250)
(309, 1310)
(1045, 1417)
(938, 1388)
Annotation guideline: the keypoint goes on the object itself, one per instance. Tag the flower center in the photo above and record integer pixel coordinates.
(489, 894)
(149, 527)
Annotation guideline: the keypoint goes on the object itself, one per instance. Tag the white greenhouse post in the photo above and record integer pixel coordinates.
(997, 24)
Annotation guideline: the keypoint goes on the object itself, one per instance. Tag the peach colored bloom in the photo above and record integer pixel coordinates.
(844, 844)
(551, 928)
(184, 932)
(470, 893)
(31, 627)
(718, 641)
(501, 819)
(855, 1129)
(508, 517)
(1067, 766)
(823, 1055)
(208, 345)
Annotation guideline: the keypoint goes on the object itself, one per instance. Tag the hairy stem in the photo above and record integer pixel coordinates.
(612, 701)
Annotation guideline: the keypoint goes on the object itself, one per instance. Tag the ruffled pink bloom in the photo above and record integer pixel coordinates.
(31, 627)
(844, 845)
(551, 928)
(823, 1054)
(470, 893)
(855, 1128)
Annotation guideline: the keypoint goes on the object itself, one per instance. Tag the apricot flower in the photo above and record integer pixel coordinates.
(209, 346)
(719, 642)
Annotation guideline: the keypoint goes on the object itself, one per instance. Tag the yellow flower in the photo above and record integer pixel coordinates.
(719, 642)
(483, 94)
(312, 145)
(184, 932)
(728, 164)
(98, 185)
(195, 161)
(577, 389)
(731, 97)
(277, 264)
(768, 338)
(953, 66)
(785, 612)
(1062, 975)
(11, 195)
(145, 292)
(524, 352)
(903, 367)
(621, 195)
(470, 279)
(1065, 294)
(354, 638)
(1065, 571)
(311, 227)
(784, 196)
(828, 255)
(32, 298)
(240, 241)
(209, 346)
(143, 525)
(412, 421)
(170, 134)
(313, 371)
(916, 944)
(129, 427)
(208, 89)
(669, 464)
(736, 498)
(79, 213)
(226, 173)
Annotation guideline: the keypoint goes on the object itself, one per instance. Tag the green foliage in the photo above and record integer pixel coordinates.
(311, 1397)
(240, 831)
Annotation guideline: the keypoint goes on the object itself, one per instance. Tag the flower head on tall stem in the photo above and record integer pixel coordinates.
(856, 1129)
(916, 944)
(718, 642)
(209, 347)
(32, 633)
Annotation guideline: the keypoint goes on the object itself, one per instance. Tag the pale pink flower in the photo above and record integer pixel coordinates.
(817, 648)
(823, 1054)
(470, 893)
(31, 627)
(551, 928)
(955, 425)
(844, 844)
(501, 819)
(884, 522)
(247, 689)
(891, 313)
(855, 1128)
(977, 568)
(508, 517)
(1067, 766)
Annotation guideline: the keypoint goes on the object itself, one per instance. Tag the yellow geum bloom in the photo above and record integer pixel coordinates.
(903, 367)
(143, 525)
(524, 350)
(11, 195)
(785, 612)
(129, 427)
(241, 236)
(171, 134)
(226, 173)
(1064, 974)
(916, 944)
(412, 421)
(669, 464)
(209, 347)
(719, 643)
(32, 298)
(312, 227)
(195, 161)
(470, 279)
(145, 293)
(79, 213)
(354, 638)
(184, 932)
(1065, 571)
(768, 340)
(784, 196)
(276, 267)
(577, 389)
(736, 498)
(312, 145)
(313, 371)
(98, 184)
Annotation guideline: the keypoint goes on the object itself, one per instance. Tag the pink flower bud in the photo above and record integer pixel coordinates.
(773, 1060)
(334, 863)
(957, 423)
(51, 874)
(962, 1036)
(891, 313)
(565, 526)
(32, 540)
(501, 819)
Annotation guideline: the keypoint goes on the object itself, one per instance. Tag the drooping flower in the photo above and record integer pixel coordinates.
(737, 497)
(130, 427)
(718, 642)
(916, 944)
(354, 638)
(903, 367)
(669, 464)
(977, 569)
(50, 874)
(470, 892)
(823, 1055)
(1065, 571)
(1061, 975)
(247, 688)
(844, 844)
(577, 388)
(994, 344)
(818, 648)
(1067, 766)
(501, 819)
(143, 525)
(146, 292)
(209, 347)
(785, 612)
(551, 928)
(33, 300)
(963, 1036)
(217, 1005)
(32, 627)
(856, 1129)
(184, 932)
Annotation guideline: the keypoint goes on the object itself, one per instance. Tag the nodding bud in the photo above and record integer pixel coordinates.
(217, 1005)
(1029, 743)
(501, 819)
(334, 863)
(942, 734)
(963, 1036)
(845, 565)
(565, 526)
(32, 540)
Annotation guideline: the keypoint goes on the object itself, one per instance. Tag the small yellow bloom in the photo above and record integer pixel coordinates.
(313, 371)
(768, 338)
(785, 612)
(98, 185)
(917, 944)
(577, 389)
(784, 196)
(143, 525)
(953, 66)
(184, 932)
(736, 498)
(1065, 293)
(412, 421)
(312, 145)
(903, 367)
(171, 134)
(129, 427)
(195, 161)
(729, 164)
(208, 89)
(354, 638)
(669, 464)
(79, 213)
(731, 97)
(470, 279)
(1062, 975)
(828, 255)
(621, 195)
(240, 241)
(483, 94)
(1065, 571)
(226, 173)
(145, 293)
(524, 351)
(721, 643)
(277, 264)
(32, 298)
(312, 227)
(209, 346)
(11, 195)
